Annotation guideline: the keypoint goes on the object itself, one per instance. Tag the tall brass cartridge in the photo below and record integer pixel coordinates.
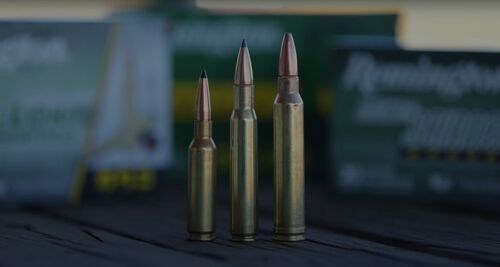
(243, 152)
(202, 169)
(288, 122)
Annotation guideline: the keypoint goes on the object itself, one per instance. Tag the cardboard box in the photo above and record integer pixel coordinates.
(416, 123)
(84, 106)
(211, 41)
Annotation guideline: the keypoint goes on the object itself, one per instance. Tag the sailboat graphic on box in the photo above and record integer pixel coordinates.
(129, 134)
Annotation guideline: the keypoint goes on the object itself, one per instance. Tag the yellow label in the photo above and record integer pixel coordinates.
(221, 94)
(109, 181)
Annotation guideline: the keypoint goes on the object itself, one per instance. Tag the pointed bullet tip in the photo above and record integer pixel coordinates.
(288, 57)
(202, 108)
(243, 71)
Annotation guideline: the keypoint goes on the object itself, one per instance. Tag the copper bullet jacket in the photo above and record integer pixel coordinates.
(202, 170)
(288, 57)
(243, 152)
(288, 124)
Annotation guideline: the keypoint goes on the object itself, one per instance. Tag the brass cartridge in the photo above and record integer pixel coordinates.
(202, 169)
(288, 124)
(243, 152)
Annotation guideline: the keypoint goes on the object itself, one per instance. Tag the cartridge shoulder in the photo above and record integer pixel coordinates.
(244, 114)
(202, 144)
(291, 99)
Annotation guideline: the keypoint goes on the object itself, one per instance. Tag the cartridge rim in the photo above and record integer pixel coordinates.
(201, 236)
(289, 237)
(243, 238)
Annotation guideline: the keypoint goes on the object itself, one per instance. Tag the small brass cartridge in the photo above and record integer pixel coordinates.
(202, 169)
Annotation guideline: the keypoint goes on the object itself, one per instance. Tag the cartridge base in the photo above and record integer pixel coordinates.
(289, 237)
(201, 236)
(243, 238)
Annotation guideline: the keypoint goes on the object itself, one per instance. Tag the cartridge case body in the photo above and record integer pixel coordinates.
(288, 123)
(244, 172)
(201, 183)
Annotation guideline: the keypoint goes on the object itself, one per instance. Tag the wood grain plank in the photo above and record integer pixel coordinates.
(31, 239)
(419, 227)
(161, 221)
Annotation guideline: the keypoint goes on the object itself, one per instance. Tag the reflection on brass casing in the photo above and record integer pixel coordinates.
(243, 157)
(288, 119)
(201, 183)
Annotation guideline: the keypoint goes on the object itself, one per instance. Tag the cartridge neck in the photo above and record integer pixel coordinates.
(202, 129)
(288, 84)
(243, 96)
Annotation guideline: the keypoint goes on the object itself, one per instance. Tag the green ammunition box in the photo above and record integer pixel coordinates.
(416, 123)
(211, 41)
(84, 108)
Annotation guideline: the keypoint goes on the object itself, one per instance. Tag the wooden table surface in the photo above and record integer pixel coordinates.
(151, 231)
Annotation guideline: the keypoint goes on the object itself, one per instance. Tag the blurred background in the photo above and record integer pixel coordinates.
(97, 97)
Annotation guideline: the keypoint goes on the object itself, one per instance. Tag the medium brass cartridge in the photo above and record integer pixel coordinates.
(288, 123)
(202, 169)
(243, 152)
